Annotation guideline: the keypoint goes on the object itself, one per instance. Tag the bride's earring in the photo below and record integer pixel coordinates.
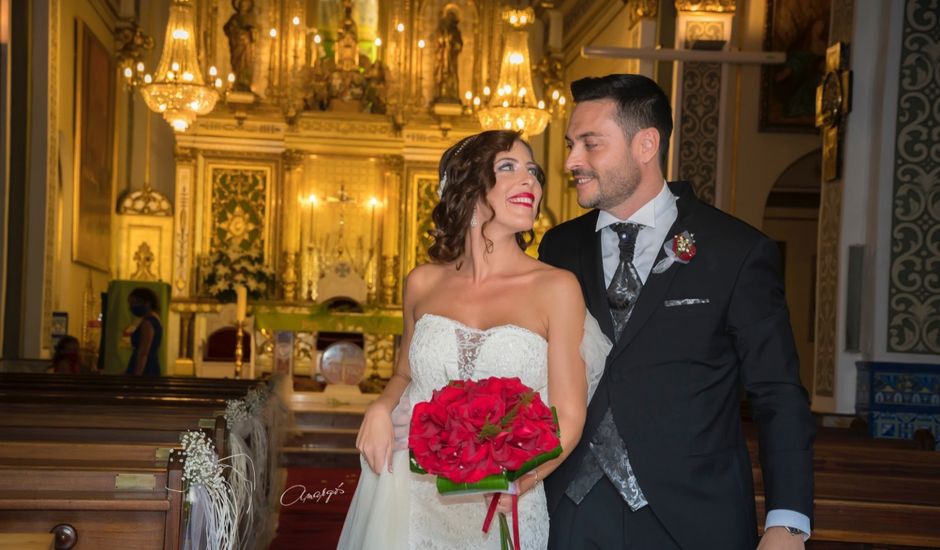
(473, 220)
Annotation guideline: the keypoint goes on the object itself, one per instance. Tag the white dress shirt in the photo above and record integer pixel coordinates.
(655, 217)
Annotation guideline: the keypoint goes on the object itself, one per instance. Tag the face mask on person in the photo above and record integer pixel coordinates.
(140, 311)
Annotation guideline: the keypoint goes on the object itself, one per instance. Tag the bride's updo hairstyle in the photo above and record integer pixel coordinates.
(467, 174)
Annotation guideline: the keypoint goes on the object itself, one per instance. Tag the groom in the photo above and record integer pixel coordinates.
(693, 301)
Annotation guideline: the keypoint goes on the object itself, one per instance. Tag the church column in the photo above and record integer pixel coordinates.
(290, 225)
(390, 274)
(183, 224)
(700, 91)
(183, 279)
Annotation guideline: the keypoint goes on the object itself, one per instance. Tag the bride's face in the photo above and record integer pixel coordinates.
(516, 195)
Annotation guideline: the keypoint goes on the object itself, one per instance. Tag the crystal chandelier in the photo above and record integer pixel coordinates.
(513, 105)
(177, 89)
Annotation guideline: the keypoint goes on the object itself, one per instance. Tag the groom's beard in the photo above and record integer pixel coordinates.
(612, 189)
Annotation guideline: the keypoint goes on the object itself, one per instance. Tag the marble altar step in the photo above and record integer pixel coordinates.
(323, 438)
(323, 434)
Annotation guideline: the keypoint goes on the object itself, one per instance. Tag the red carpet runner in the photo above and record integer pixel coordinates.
(315, 504)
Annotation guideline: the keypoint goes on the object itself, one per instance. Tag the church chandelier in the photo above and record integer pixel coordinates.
(177, 89)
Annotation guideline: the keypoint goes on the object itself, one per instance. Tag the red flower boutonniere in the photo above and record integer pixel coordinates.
(681, 248)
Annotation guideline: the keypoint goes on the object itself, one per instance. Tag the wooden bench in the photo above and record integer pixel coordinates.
(87, 500)
(93, 455)
(868, 492)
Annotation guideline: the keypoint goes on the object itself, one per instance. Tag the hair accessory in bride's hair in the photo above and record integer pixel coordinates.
(443, 182)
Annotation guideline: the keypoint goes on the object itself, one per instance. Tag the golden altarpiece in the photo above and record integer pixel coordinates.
(316, 172)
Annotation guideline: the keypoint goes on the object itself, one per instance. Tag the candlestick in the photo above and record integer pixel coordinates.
(421, 44)
(273, 34)
(239, 334)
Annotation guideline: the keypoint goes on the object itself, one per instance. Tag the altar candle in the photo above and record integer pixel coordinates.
(241, 303)
(312, 201)
(372, 203)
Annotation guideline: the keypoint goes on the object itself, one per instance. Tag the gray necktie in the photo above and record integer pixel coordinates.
(626, 283)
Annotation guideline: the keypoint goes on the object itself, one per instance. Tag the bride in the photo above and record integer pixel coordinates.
(482, 308)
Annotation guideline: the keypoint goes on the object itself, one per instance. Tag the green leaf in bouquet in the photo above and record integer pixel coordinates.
(413, 463)
(489, 484)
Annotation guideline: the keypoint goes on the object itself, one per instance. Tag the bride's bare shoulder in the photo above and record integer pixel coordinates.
(555, 284)
(423, 277)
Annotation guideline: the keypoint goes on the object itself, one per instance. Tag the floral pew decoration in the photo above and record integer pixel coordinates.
(212, 513)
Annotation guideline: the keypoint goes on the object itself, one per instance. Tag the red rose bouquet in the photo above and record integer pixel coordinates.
(480, 436)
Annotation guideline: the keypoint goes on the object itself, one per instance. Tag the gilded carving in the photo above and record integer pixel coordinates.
(345, 127)
(293, 158)
(717, 6)
(704, 30)
(182, 236)
(427, 199)
(185, 155)
(827, 281)
(348, 81)
(389, 278)
(394, 163)
(289, 276)
(641, 9)
(380, 354)
(146, 202)
(144, 259)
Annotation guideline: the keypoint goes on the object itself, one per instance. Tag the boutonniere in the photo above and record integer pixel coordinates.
(680, 248)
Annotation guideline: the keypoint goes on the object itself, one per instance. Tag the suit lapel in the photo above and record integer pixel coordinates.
(593, 272)
(651, 297)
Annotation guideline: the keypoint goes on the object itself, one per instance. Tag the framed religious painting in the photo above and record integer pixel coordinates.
(94, 147)
(799, 28)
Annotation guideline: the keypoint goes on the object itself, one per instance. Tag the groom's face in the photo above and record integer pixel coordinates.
(599, 156)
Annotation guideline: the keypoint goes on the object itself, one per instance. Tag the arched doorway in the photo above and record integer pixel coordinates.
(791, 217)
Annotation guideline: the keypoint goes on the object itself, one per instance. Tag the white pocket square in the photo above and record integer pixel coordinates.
(686, 302)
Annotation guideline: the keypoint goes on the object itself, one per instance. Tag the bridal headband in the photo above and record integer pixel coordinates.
(443, 182)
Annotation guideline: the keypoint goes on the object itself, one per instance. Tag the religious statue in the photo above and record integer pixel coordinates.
(348, 81)
(242, 33)
(449, 44)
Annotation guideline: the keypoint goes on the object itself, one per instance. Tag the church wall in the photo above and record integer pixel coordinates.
(755, 159)
(875, 205)
(76, 287)
(611, 28)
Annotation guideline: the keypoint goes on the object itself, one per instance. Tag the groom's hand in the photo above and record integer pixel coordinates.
(778, 538)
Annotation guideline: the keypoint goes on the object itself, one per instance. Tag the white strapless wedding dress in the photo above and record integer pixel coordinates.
(402, 510)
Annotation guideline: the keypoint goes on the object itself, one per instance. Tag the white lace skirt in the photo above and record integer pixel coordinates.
(401, 511)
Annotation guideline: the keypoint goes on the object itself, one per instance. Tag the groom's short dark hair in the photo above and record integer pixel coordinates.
(641, 103)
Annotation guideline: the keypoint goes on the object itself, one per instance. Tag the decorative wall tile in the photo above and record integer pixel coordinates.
(914, 288)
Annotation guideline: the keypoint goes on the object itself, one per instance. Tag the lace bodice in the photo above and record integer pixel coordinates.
(443, 349)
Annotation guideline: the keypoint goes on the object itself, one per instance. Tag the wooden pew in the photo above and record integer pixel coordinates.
(868, 492)
(84, 502)
(95, 457)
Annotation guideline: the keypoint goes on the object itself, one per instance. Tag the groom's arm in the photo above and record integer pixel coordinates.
(759, 322)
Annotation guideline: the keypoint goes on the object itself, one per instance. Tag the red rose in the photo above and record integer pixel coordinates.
(687, 254)
(471, 429)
